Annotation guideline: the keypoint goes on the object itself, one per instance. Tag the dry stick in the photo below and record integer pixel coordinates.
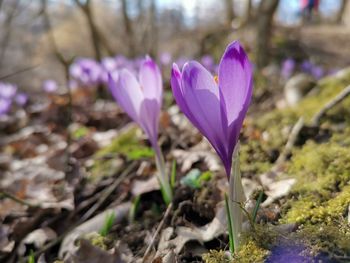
(340, 97)
(106, 193)
(160, 226)
(292, 138)
(18, 200)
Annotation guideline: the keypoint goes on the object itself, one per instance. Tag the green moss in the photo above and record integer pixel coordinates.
(216, 256)
(328, 88)
(320, 168)
(342, 137)
(310, 211)
(250, 252)
(322, 191)
(127, 145)
(253, 158)
(332, 240)
(276, 124)
(97, 240)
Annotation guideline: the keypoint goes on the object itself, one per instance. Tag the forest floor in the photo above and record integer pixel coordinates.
(77, 179)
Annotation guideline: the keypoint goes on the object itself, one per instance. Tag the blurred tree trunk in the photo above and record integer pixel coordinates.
(340, 14)
(248, 11)
(59, 56)
(96, 37)
(267, 9)
(230, 15)
(153, 39)
(85, 7)
(128, 29)
(6, 28)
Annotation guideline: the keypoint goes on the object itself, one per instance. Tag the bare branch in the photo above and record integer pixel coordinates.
(339, 98)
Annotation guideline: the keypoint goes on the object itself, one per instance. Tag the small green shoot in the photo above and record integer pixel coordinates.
(173, 175)
(134, 207)
(257, 205)
(195, 178)
(230, 226)
(108, 223)
(31, 258)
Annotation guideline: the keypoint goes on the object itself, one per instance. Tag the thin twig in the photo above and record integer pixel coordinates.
(159, 228)
(18, 200)
(19, 71)
(108, 191)
(339, 98)
(292, 138)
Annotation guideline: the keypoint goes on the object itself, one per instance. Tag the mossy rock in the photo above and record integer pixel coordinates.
(277, 123)
(127, 145)
(322, 190)
(332, 241)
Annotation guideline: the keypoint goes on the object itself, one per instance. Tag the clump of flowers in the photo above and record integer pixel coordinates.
(217, 107)
(86, 72)
(9, 95)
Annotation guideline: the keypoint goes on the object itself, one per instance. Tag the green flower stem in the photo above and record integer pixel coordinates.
(235, 200)
(229, 224)
(163, 177)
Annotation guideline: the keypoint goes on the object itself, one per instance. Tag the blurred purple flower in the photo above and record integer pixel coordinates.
(288, 67)
(317, 72)
(306, 66)
(86, 71)
(291, 253)
(208, 62)
(21, 99)
(216, 108)
(7, 90)
(50, 86)
(5, 106)
(165, 58)
(109, 64)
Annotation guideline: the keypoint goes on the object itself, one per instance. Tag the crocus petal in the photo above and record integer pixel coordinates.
(176, 86)
(201, 95)
(235, 78)
(151, 80)
(127, 92)
(149, 118)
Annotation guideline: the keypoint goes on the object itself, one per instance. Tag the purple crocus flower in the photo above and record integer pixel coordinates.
(50, 86)
(7, 90)
(86, 71)
(165, 58)
(288, 67)
(208, 62)
(216, 106)
(21, 99)
(141, 99)
(317, 72)
(5, 106)
(306, 66)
